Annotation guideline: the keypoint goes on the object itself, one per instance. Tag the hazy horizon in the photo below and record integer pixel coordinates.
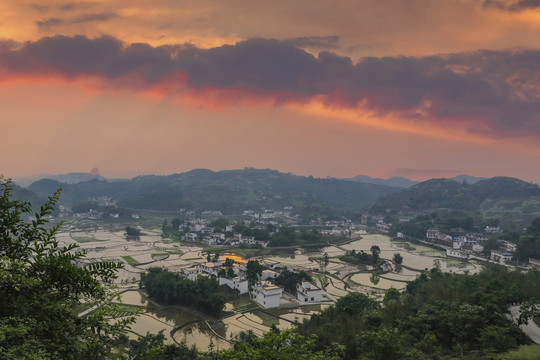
(334, 89)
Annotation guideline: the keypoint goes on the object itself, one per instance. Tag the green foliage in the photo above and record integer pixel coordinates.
(133, 231)
(228, 191)
(398, 259)
(392, 294)
(355, 303)
(40, 285)
(359, 258)
(440, 315)
(152, 347)
(172, 289)
(288, 236)
(524, 352)
(502, 197)
(284, 345)
(219, 225)
(289, 279)
(528, 245)
(253, 271)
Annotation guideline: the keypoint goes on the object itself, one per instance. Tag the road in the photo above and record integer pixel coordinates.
(530, 328)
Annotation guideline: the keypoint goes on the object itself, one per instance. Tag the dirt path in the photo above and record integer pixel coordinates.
(530, 328)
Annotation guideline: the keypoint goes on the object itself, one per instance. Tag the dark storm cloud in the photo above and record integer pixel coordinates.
(494, 92)
(104, 16)
(72, 6)
(512, 5)
(49, 23)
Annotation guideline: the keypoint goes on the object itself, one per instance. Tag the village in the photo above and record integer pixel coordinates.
(263, 290)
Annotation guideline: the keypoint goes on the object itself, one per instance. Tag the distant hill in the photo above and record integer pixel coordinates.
(467, 178)
(495, 197)
(230, 191)
(398, 181)
(69, 178)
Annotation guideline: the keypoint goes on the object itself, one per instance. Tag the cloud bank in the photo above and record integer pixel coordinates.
(495, 93)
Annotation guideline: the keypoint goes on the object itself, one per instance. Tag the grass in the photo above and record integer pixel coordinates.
(525, 352)
(85, 239)
(536, 320)
(322, 279)
(191, 259)
(130, 260)
(134, 309)
(246, 307)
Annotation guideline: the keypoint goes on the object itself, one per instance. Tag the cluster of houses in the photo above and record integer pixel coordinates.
(197, 229)
(264, 292)
(464, 245)
(266, 214)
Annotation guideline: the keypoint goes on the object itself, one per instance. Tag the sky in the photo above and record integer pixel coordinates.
(415, 88)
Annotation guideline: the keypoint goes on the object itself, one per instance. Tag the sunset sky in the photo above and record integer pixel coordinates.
(415, 88)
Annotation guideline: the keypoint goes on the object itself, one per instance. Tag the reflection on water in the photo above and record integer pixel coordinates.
(133, 297)
(379, 282)
(195, 331)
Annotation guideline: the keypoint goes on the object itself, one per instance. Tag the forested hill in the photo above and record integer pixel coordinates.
(229, 191)
(491, 197)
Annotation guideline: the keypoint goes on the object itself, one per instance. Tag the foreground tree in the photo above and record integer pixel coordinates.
(41, 287)
(282, 345)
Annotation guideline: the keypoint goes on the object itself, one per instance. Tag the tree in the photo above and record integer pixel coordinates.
(175, 223)
(132, 231)
(165, 227)
(230, 272)
(375, 251)
(323, 262)
(355, 303)
(398, 259)
(253, 271)
(289, 279)
(228, 262)
(41, 286)
(283, 345)
(392, 294)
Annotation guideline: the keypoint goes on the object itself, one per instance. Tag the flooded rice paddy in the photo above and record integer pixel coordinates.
(241, 314)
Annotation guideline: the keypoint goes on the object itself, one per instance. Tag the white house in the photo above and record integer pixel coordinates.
(308, 293)
(266, 295)
(235, 283)
(477, 248)
(209, 268)
(269, 274)
(501, 256)
(270, 264)
(507, 245)
(457, 254)
(432, 233)
(191, 272)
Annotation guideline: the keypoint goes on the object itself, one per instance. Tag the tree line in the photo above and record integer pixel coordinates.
(169, 288)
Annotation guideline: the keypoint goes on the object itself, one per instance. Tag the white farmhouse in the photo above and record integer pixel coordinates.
(457, 254)
(191, 272)
(269, 274)
(266, 295)
(306, 292)
(235, 283)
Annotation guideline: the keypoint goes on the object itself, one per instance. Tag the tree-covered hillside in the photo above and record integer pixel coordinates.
(229, 191)
(496, 197)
